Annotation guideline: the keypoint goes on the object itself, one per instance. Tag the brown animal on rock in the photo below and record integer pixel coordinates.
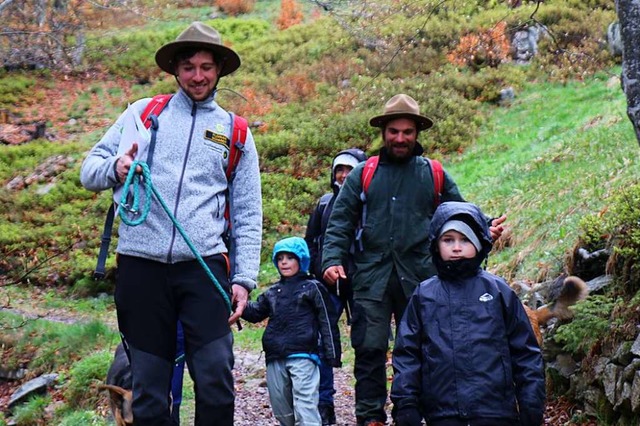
(119, 385)
(565, 292)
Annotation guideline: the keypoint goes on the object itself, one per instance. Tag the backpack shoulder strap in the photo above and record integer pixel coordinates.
(438, 179)
(154, 107)
(324, 210)
(238, 139)
(236, 148)
(324, 200)
(370, 167)
(149, 119)
(368, 171)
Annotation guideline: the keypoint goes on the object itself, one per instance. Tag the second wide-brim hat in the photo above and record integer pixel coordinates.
(401, 106)
(198, 35)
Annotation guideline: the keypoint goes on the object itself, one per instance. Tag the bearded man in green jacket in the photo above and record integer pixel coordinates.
(392, 255)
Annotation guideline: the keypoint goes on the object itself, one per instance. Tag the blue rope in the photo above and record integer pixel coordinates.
(149, 189)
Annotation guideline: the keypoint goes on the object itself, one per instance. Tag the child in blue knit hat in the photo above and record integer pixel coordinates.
(299, 313)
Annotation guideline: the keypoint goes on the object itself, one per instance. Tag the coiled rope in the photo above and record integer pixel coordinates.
(135, 178)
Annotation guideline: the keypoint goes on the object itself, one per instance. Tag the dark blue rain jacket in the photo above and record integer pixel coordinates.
(465, 347)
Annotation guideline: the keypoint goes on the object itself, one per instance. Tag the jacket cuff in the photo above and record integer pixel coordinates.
(405, 403)
(115, 170)
(249, 285)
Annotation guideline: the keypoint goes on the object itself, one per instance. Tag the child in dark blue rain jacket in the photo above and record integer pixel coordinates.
(466, 353)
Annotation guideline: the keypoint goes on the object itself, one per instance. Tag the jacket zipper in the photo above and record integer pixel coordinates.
(184, 168)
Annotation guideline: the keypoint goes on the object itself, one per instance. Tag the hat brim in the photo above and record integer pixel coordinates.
(422, 122)
(227, 57)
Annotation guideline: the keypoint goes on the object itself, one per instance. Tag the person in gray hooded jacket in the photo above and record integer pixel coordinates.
(340, 294)
(160, 280)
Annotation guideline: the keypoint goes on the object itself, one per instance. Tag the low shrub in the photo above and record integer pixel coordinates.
(45, 346)
(131, 54)
(14, 87)
(573, 45)
(80, 390)
(33, 412)
(235, 7)
(485, 85)
(591, 321)
(290, 14)
(487, 48)
(82, 418)
(287, 201)
(616, 229)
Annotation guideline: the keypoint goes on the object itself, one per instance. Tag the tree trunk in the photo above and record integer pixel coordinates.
(40, 8)
(629, 17)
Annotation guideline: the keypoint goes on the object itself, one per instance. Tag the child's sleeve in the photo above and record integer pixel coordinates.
(407, 378)
(526, 360)
(259, 310)
(311, 237)
(328, 325)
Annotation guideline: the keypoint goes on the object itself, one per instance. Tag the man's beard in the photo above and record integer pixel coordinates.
(408, 153)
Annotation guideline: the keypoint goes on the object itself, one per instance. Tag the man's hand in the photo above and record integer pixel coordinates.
(124, 163)
(496, 227)
(239, 298)
(333, 273)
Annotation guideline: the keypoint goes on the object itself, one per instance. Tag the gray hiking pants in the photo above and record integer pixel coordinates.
(293, 385)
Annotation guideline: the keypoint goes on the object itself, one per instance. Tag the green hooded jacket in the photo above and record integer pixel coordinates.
(400, 205)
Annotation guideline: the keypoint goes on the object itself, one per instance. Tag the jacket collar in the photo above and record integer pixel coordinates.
(208, 104)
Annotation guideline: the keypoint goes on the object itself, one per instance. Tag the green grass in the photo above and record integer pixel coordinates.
(557, 154)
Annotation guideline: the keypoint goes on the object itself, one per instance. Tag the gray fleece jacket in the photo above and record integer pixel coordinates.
(188, 171)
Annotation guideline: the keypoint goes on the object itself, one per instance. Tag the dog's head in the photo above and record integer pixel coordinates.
(120, 401)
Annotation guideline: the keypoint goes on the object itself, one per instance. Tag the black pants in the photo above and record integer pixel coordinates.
(150, 298)
(454, 421)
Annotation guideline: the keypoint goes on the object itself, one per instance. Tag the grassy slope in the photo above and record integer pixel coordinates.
(551, 158)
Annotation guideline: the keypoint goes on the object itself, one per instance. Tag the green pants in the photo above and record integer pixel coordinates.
(370, 335)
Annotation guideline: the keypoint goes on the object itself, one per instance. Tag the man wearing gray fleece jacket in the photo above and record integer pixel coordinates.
(159, 279)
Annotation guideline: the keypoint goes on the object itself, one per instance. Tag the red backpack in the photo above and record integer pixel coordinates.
(149, 118)
(370, 167)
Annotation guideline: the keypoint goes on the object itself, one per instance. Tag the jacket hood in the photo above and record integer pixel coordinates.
(298, 247)
(350, 157)
(466, 212)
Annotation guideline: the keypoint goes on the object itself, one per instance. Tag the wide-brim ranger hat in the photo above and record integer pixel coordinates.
(198, 35)
(402, 106)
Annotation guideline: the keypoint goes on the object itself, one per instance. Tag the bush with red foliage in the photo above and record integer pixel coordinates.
(235, 7)
(487, 48)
